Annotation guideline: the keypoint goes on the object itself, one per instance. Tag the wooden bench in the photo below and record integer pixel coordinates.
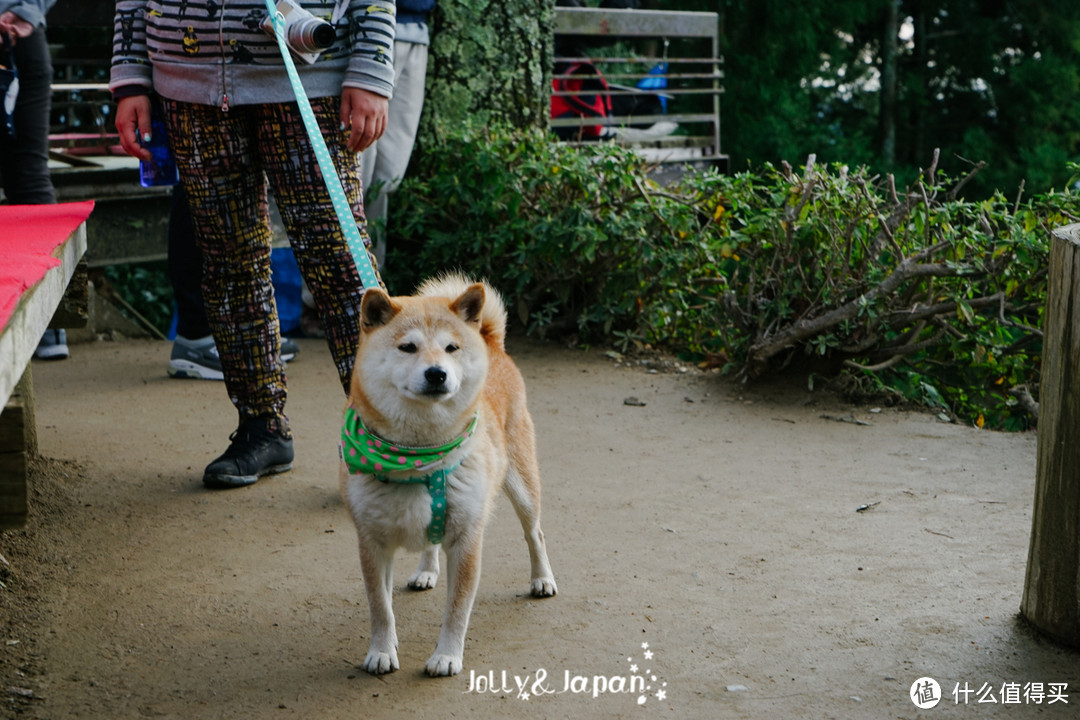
(633, 43)
(32, 310)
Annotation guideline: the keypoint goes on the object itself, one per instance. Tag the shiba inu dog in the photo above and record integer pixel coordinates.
(436, 424)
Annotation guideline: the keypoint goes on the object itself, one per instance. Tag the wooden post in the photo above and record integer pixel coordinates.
(18, 445)
(1051, 599)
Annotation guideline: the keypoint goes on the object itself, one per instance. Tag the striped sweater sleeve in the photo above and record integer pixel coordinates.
(131, 71)
(371, 34)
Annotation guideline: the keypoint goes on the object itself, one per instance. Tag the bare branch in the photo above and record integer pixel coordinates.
(933, 166)
(917, 313)
(1009, 323)
(904, 339)
(805, 193)
(1027, 403)
(652, 206)
(870, 341)
(886, 225)
(874, 368)
(926, 202)
(918, 346)
(669, 196)
(762, 350)
(967, 178)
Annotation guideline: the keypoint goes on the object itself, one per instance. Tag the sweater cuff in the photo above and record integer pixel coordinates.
(30, 14)
(126, 91)
(367, 82)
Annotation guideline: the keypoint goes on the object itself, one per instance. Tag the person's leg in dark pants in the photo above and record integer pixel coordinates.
(194, 354)
(185, 270)
(24, 158)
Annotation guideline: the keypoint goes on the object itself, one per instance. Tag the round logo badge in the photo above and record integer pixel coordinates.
(925, 693)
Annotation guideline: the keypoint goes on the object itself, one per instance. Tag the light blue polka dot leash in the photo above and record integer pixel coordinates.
(361, 457)
(326, 166)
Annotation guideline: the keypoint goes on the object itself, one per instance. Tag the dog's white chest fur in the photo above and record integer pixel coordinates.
(399, 514)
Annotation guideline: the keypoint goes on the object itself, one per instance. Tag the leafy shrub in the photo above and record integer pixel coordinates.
(142, 291)
(564, 233)
(916, 292)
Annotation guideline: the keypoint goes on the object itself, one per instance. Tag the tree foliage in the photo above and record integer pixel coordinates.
(993, 80)
(986, 80)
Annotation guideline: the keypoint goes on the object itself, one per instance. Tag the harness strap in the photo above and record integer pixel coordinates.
(436, 486)
(368, 277)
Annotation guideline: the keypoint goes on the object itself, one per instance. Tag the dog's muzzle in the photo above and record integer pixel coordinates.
(435, 381)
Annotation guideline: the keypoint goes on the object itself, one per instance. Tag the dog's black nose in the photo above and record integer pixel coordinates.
(435, 375)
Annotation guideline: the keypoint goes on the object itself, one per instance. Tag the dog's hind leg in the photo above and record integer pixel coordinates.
(523, 489)
(377, 566)
(427, 574)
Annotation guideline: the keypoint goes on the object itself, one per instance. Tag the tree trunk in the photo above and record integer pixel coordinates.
(490, 62)
(889, 54)
(1051, 599)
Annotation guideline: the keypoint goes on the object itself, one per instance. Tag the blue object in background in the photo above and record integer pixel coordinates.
(657, 80)
(285, 275)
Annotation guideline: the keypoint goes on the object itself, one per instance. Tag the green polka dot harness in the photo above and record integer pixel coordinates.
(365, 453)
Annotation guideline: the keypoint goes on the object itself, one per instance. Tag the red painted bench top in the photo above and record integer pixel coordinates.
(29, 237)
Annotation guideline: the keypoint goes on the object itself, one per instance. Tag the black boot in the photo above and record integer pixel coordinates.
(260, 446)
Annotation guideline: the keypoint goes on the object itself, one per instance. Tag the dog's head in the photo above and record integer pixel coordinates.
(420, 356)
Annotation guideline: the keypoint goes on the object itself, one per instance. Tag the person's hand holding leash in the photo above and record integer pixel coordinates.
(133, 121)
(363, 113)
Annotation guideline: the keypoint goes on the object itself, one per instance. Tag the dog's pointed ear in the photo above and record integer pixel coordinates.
(470, 303)
(376, 309)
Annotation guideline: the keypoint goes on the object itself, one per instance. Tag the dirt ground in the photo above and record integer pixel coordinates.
(718, 524)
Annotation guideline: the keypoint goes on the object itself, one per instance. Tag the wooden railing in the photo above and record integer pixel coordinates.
(679, 49)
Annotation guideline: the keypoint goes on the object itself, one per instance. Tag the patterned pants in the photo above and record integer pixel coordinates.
(225, 160)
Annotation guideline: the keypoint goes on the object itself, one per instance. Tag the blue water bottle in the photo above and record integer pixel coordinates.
(160, 170)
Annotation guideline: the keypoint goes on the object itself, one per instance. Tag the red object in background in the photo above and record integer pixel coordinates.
(29, 237)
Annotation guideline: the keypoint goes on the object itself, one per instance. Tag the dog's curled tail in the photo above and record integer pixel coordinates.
(492, 317)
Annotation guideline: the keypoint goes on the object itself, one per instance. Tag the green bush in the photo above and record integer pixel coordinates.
(914, 292)
(559, 231)
(142, 292)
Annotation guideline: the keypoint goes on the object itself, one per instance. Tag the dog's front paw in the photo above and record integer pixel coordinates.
(422, 580)
(544, 587)
(380, 663)
(443, 665)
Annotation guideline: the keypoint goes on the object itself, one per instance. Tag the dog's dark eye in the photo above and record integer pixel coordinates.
(407, 348)
(451, 348)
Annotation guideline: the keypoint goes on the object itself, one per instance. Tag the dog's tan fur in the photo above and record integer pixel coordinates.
(454, 330)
